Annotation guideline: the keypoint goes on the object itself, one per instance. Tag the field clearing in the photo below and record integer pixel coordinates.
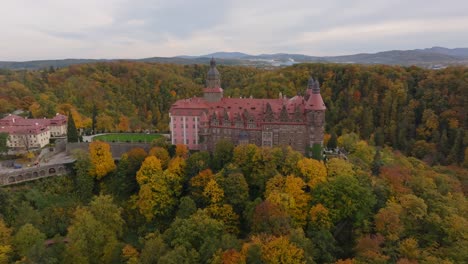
(127, 137)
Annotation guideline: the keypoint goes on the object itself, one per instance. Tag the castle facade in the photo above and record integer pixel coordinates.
(200, 122)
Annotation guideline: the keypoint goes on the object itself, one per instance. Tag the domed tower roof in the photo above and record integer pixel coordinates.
(213, 78)
(313, 98)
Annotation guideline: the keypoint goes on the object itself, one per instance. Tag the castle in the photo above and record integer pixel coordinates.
(200, 122)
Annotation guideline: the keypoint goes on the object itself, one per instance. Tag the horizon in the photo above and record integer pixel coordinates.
(208, 55)
(123, 29)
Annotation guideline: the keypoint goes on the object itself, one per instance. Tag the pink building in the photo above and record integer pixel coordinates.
(200, 122)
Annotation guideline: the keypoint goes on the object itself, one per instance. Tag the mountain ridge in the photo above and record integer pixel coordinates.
(434, 57)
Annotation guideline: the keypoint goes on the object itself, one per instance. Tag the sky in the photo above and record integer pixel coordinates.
(58, 29)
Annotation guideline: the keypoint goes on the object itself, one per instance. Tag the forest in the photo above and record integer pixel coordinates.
(418, 111)
(399, 197)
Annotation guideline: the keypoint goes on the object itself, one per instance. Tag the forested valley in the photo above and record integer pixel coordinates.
(399, 197)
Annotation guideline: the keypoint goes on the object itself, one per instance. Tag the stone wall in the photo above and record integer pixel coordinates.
(29, 174)
(117, 149)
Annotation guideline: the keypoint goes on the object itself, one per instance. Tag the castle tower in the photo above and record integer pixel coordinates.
(315, 113)
(213, 91)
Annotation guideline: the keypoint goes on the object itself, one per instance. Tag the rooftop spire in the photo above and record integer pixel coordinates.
(314, 85)
(212, 62)
(213, 78)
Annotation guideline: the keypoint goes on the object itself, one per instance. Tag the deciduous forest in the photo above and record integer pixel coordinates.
(399, 197)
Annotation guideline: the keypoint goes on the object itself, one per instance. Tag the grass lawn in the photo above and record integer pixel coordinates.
(125, 137)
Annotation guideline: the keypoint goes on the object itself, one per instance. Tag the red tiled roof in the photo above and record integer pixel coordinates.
(13, 124)
(315, 102)
(237, 106)
(23, 130)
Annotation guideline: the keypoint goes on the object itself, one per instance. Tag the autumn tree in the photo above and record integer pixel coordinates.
(339, 167)
(159, 189)
(288, 192)
(6, 248)
(281, 250)
(270, 218)
(162, 154)
(312, 171)
(101, 159)
(198, 184)
(135, 158)
(181, 151)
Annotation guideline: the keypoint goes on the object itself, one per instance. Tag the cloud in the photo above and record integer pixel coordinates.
(50, 29)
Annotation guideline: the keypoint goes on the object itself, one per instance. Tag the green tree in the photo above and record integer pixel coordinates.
(186, 207)
(28, 238)
(222, 154)
(83, 181)
(236, 190)
(3, 142)
(72, 132)
(333, 142)
(153, 249)
(199, 232)
(197, 162)
(94, 232)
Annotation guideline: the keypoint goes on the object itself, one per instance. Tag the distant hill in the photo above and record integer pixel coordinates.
(435, 57)
(457, 52)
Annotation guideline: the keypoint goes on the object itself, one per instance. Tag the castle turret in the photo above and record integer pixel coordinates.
(213, 91)
(315, 113)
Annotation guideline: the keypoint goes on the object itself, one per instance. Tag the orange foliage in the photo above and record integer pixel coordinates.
(232, 256)
(181, 150)
(397, 177)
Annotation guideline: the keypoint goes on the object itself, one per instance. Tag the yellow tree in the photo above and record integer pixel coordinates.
(101, 159)
(213, 192)
(177, 166)
(5, 243)
(312, 171)
(288, 192)
(159, 189)
(278, 250)
(161, 154)
(150, 167)
(226, 214)
(339, 167)
(104, 122)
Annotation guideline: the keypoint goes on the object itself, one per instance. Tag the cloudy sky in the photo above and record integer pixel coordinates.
(57, 29)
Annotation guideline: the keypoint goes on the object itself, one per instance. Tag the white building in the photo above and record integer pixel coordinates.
(32, 133)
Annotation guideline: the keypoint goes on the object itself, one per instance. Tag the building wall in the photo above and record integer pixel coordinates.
(58, 131)
(29, 140)
(185, 130)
